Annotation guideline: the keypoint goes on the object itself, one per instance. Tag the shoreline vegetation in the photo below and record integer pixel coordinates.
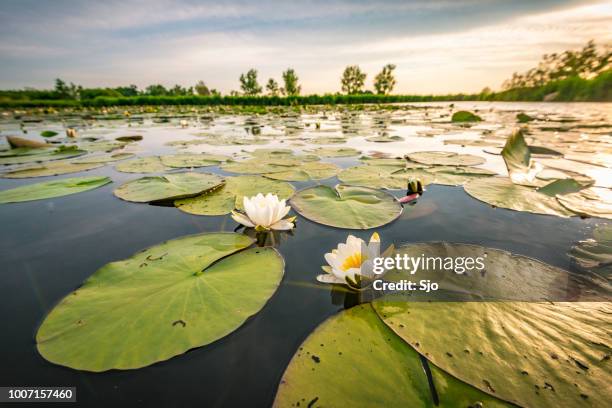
(583, 75)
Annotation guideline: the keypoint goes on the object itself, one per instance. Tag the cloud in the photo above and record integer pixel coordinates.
(439, 46)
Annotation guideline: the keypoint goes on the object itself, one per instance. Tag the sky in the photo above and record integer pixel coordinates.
(438, 46)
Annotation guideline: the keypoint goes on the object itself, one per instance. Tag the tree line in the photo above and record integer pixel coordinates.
(583, 74)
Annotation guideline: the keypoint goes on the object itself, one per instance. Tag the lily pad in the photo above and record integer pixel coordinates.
(51, 189)
(27, 155)
(150, 164)
(134, 138)
(530, 354)
(346, 206)
(101, 146)
(161, 302)
(353, 360)
(105, 158)
(167, 187)
(465, 116)
(335, 151)
(192, 160)
(50, 169)
(501, 192)
(590, 202)
(224, 199)
(307, 171)
(595, 254)
(384, 139)
(445, 159)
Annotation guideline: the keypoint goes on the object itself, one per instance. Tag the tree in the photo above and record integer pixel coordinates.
(65, 91)
(585, 63)
(290, 79)
(156, 90)
(384, 82)
(249, 84)
(353, 80)
(202, 89)
(272, 87)
(131, 90)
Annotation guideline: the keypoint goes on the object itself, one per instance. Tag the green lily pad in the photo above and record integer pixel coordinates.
(192, 160)
(161, 302)
(445, 159)
(48, 133)
(28, 155)
(353, 360)
(465, 116)
(384, 139)
(335, 151)
(150, 164)
(104, 158)
(167, 187)
(523, 117)
(590, 202)
(51, 189)
(346, 206)
(501, 192)
(254, 166)
(224, 199)
(450, 175)
(54, 168)
(133, 138)
(385, 177)
(530, 354)
(595, 254)
(101, 145)
(307, 171)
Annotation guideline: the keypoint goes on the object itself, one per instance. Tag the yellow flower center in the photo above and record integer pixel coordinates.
(353, 261)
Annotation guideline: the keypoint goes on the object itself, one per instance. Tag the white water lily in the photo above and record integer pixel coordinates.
(264, 213)
(352, 262)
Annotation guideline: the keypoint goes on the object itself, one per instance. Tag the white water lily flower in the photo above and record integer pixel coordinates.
(264, 213)
(352, 262)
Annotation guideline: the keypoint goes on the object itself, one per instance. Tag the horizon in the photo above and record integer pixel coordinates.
(439, 47)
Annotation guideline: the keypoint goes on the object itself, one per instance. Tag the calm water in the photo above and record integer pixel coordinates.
(49, 247)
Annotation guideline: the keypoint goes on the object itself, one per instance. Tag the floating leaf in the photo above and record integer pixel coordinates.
(307, 171)
(134, 138)
(192, 160)
(445, 159)
(336, 151)
(465, 116)
(591, 202)
(595, 254)
(563, 186)
(50, 169)
(530, 354)
(48, 133)
(150, 164)
(501, 192)
(353, 360)
(33, 155)
(50, 189)
(223, 200)
(167, 187)
(101, 145)
(259, 166)
(347, 206)
(161, 302)
(384, 139)
(105, 158)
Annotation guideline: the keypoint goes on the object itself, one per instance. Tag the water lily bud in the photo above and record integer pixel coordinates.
(414, 187)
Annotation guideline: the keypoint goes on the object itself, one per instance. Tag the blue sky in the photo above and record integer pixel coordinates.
(438, 46)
